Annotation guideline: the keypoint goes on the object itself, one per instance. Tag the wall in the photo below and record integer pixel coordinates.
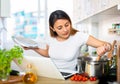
(99, 28)
(105, 24)
(65, 5)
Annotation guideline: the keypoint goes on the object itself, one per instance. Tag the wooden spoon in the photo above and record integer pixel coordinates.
(110, 52)
(98, 58)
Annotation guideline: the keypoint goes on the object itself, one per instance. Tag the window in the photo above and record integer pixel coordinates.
(27, 18)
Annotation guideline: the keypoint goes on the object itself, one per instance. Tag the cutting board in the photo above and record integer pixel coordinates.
(12, 80)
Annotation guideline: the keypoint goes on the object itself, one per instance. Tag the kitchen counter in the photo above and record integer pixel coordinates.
(45, 80)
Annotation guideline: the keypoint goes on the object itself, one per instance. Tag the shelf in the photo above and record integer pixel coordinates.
(113, 30)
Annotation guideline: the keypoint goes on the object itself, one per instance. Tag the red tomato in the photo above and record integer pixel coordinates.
(80, 78)
(72, 78)
(84, 79)
(93, 78)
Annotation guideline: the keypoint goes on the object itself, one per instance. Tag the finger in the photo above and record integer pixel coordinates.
(101, 52)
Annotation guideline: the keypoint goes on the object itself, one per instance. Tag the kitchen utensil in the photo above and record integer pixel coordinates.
(110, 52)
(96, 68)
(92, 67)
(98, 58)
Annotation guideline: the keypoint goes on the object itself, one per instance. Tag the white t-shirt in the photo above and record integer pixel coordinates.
(64, 54)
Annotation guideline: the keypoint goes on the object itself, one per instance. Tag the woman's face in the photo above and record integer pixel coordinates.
(62, 27)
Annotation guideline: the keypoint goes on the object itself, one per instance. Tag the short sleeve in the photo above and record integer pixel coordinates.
(82, 37)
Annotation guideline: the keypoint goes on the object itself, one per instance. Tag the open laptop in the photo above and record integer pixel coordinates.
(45, 67)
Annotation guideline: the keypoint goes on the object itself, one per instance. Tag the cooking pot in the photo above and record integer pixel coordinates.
(92, 67)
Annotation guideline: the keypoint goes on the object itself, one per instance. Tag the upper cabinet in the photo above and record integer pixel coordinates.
(4, 8)
(85, 9)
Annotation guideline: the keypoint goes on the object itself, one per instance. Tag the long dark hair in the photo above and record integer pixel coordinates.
(54, 16)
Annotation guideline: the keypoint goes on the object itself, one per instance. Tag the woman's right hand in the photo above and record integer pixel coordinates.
(28, 48)
(43, 52)
(25, 48)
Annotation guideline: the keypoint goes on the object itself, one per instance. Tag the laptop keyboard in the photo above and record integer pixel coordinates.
(65, 73)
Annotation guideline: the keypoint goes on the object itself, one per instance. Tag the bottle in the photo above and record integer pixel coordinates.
(113, 69)
(30, 76)
(114, 58)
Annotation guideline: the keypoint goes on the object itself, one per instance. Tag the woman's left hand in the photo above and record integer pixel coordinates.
(103, 49)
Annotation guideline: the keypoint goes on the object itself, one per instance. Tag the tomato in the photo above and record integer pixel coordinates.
(79, 77)
(92, 78)
(76, 78)
(84, 78)
(72, 78)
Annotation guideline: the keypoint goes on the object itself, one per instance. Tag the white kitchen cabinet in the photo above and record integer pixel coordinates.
(85, 9)
(4, 8)
(113, 2)
(89, 12)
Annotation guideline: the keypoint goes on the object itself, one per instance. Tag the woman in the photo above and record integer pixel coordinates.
(64, 45)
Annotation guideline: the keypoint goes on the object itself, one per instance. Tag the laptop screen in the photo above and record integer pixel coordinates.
(44, 67)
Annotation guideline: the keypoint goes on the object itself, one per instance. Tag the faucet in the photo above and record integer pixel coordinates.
(83, 49)
(80, 60)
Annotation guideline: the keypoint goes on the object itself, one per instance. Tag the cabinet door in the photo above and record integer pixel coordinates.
(77, 9)
(4, 8)
(113, 2)
(95, 6)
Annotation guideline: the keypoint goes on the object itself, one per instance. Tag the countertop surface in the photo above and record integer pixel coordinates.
(45, 80)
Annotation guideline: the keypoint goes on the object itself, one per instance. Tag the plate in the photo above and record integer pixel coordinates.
(26, 42)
